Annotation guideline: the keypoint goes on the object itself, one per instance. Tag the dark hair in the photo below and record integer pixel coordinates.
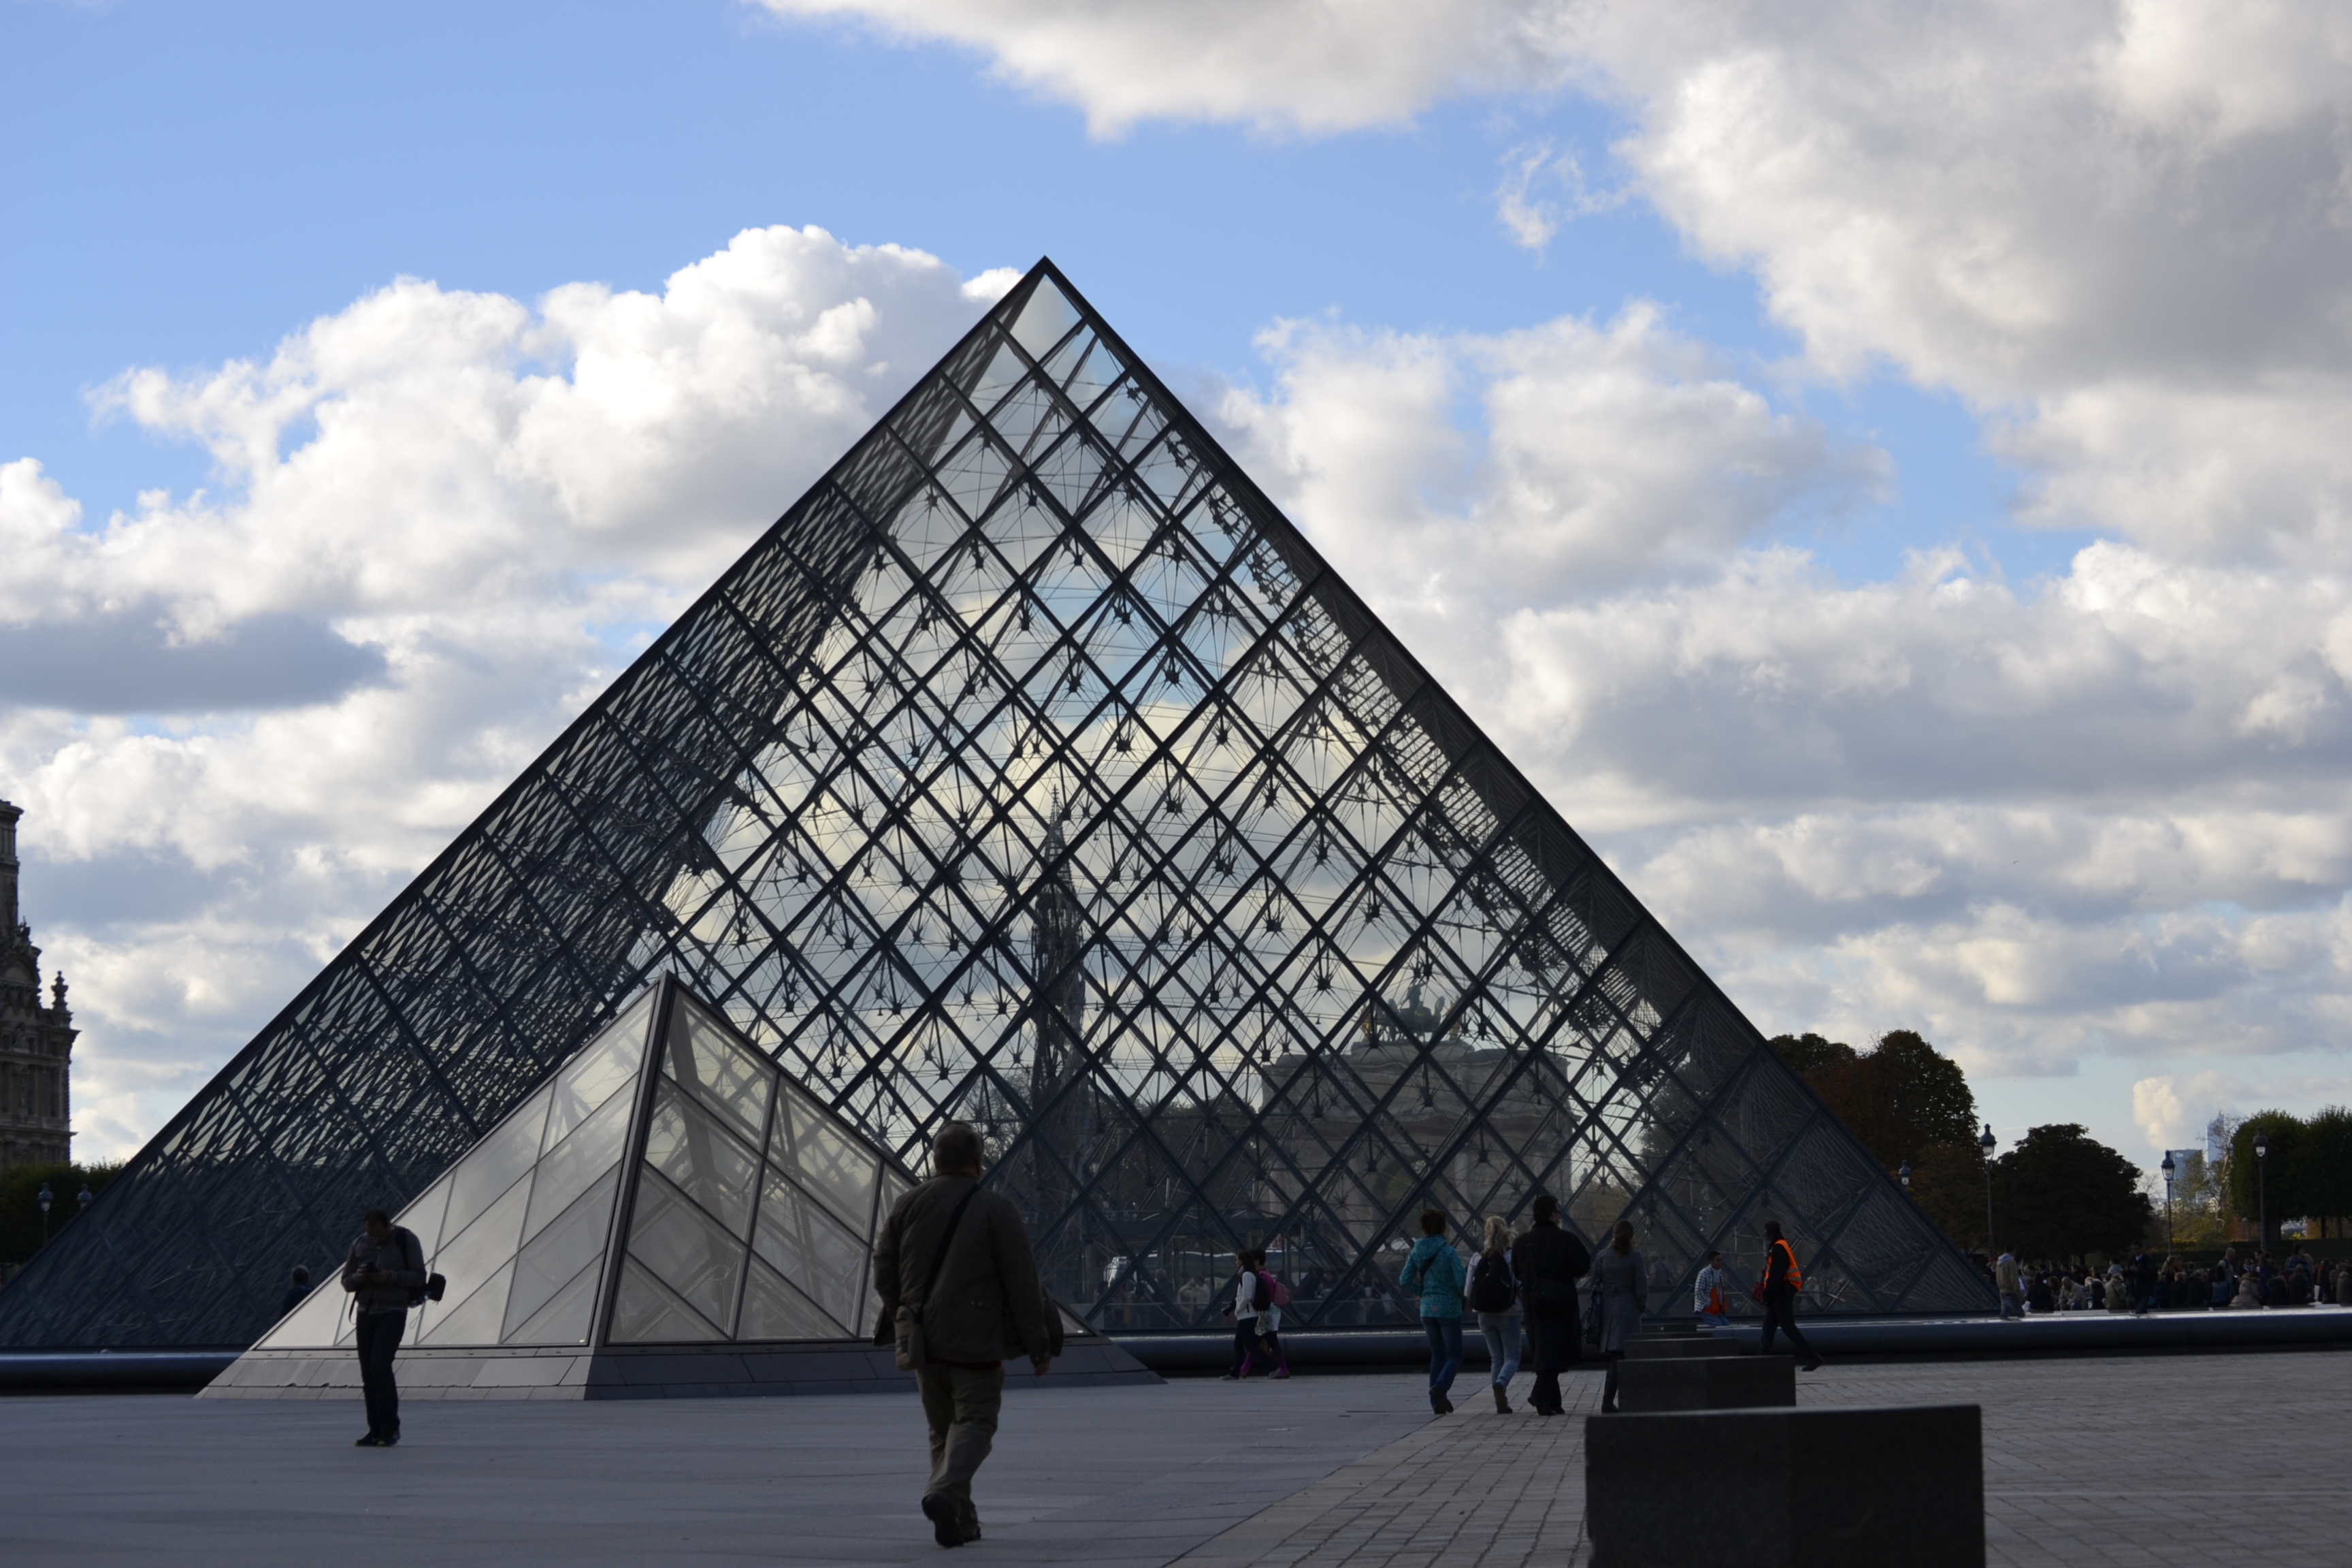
(1432, 1221)
(377, 1216)
(1545, 1207)
(1773, 1228)
(1251, 1258)
(1621, 1237)
(957, 1148)
(302, 1275)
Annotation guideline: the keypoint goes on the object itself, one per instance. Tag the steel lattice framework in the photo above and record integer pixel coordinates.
(1033, 769)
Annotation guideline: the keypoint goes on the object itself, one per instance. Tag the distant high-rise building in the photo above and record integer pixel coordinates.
(36, 1042)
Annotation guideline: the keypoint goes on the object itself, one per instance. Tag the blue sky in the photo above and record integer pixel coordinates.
(1931, 626)
(206, 179)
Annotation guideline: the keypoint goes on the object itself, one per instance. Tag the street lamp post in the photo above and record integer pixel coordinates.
(1987, 1144)
(2168, 1202)
(45, 1198)
(84, 1197)
(1905, 1174)
(2262, 1187)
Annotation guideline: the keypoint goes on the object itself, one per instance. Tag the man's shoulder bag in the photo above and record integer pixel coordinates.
(909, 1321)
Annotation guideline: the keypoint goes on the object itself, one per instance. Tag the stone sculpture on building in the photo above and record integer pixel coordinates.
(36, 1042)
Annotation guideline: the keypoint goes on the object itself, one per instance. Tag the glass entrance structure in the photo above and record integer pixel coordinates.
(1034, 770)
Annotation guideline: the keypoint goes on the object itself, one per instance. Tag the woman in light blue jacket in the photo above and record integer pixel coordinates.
(1435, 1270)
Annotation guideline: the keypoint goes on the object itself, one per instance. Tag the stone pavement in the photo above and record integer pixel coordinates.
(2138, 1460)
(2146, 1460)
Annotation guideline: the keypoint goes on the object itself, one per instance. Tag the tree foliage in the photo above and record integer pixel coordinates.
(1900, 1097)
(20, 1207)
(2307, 1173)
(2061, 1193)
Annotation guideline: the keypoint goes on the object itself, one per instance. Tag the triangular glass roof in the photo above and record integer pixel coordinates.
(1035, 769)
(747, 1209)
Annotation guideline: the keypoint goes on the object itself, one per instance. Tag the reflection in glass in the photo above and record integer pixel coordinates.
(686, 1249)
(573, 1242)
(814, 1251)
(773, 1310)
(687, 1144)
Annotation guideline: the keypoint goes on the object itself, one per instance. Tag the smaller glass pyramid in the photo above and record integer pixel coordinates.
(741, 1209)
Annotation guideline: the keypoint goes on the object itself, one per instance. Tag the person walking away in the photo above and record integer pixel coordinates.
(298, 1290)
(1494, 1296)
(1256, 1315)
(1435, 1269)
(1781, 1282)
(1620, 1294)
(1269, 1316)
(956, 1258)
(1549, 1262)
(1707, 1295)
(384, 1272)
(2005, 1278)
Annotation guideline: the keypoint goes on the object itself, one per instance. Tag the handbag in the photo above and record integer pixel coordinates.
(910, 1319)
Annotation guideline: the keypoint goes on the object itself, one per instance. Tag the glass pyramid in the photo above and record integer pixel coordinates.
(745, 1210)
(1035, 769)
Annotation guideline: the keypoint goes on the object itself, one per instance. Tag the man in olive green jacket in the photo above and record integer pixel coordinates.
(988, 1304)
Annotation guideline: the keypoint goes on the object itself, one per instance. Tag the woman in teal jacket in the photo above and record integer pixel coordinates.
(1435, 1270)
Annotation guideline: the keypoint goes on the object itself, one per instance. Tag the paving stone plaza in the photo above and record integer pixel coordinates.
(2103, 1459)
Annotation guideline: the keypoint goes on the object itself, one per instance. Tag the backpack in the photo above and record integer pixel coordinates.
(1276, 1292)
(1493, 1288)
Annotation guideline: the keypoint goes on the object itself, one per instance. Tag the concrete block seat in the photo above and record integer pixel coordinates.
(1858, 1487)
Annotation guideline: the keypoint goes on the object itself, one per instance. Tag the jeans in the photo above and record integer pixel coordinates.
(962, 1405)
(1444, 1351)
(2011, 1305)
(1248, 1343)
(1781, 1313)
(1501, 1330)
(379, 1336)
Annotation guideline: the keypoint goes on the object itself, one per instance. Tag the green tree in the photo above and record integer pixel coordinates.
(2307, 1173)
(1899, 1098)
(2060, 1194)
(20, 1207)
(1809, 1053)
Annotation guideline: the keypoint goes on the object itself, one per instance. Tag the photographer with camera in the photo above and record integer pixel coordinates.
(386, 1274)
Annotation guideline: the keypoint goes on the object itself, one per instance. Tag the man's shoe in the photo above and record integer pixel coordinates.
(390, 1440)
(1279, 1373)
(370, 1441)
(1231, 1377)
(1814, 1365)
(970, 1523)
(1501, 1401)
(947, 1520)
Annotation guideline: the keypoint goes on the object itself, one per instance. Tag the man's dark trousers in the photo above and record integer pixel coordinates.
(379, 1334)
(1780, 1313)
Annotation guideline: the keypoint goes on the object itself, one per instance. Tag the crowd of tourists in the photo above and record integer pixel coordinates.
(1540, 1293)
(2143, 1283)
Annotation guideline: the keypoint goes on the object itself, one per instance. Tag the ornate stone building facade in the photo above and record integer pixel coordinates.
(36, 1042)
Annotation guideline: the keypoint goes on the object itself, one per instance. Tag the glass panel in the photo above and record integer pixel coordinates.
(724, 1076)
(645, 1313)
(773, 1310)
(894, 1187)
(314, 1321)
(687, 1144)
(835, 1168)
(813, 1250)
(472, 1322)
(1045, 319)
(488, 1245)
(598, 1072)
(573, 1242)
(570, 1168)
(423, 1215)
(495, 1164)
(568, 1316)
(688, 1249)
